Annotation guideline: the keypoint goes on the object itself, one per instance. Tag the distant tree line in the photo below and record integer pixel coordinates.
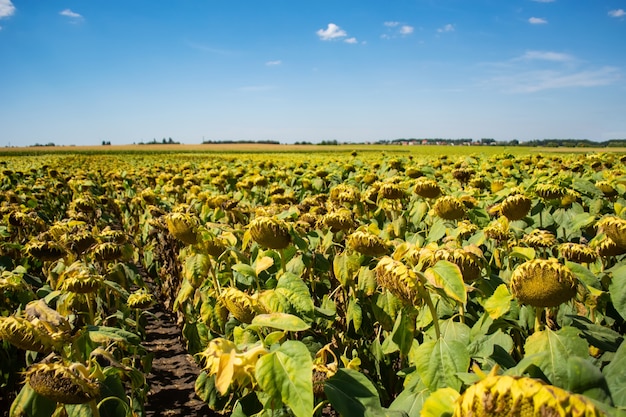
(168, 141)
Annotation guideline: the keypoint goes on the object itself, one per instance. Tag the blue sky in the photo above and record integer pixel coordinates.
(80, 72)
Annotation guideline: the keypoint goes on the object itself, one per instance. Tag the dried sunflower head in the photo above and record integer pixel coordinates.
(463, 174)
(398, 279)
(540, 239)
(270, 232)
(45, 251)
(549, 191)
(607, 247)
(615, 228)
(468, 261)
(577, 252)
(515, 207)
(543, 283)
(507, 396)
(391, 191)
(80, 278)
(339, 220)
(108, 251)
(367, 243)
(183, 227)
(607, 189)
(241, 305)
(427, 188)
(69, 384)
(498, 230)
(25, 335)
(343, 193)
(449, 208)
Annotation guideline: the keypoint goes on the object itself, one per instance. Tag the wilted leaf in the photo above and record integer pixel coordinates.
(499, 303)
(346, 267)
(446, 275)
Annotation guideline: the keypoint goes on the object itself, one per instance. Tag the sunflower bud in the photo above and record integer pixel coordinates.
(367, 243)
(63, 384)
(543, 283)
(270, 232)
(449, 208)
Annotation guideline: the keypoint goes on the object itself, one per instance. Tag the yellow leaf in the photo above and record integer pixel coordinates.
(263, 263)
(225, 372)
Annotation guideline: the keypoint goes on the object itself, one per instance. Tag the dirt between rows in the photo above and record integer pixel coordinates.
(174, 371)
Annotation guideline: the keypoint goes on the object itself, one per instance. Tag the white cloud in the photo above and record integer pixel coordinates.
(447, 28)
(70, 14)
(7, 9)
(331, 32)
(273, 63)
(391, 24)
(546, 56)
(534, 81)
(406, 30)
(537, 21)
(351, 40)
(617, 13)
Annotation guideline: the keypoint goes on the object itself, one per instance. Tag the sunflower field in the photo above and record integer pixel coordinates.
(317, 284)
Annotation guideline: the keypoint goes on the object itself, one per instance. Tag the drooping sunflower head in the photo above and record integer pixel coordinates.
(337, 220)
(183, 227)
(449, 208)
(507, 396)
(108, 251)
(66, 384)
(577, 252)
(543, 283)
(79, 242)
(367, 243)
(80, 278)
(25, 335)
(241, 305)
(607, 247)
(468, 261)
(615, 228)
(465, 229)
(391, 191)
(540, 239)
(607, 188)
(463, 175)
(427, 188)
(515, 207)
(270, 232)
(399, 280)
(343, 193)
(549, 191)
(45, 251)
(498, 230)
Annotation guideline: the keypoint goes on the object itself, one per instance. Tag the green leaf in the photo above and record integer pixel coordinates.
(104, 335)
(584, 274)
(367, 281)
(437, 230)
(30, 404)
(583, 377)
(453, 330)
(446, 275)
(438, 362)
(205, 389)
(552, 349)
(617, 290)
(281, 321)
(346, 267)
(292, 296)
(286, 375)
(603, 338)
(616, 377)
(483, 347)
(412, 398)
(499, 303)
(354, 313)
(351, 393)
(403, 332)
(525, 254)
(386, 307)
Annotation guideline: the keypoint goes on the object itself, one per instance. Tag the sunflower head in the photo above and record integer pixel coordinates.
(399, 280)
(270, 232)
(469, 262)
(25, 335)
(543, 283)
(498, 230)
(449, 208)
(549, 191)
(391, 191)
(337, 220)
(578, 253)
(463, 175)
(239, 304)
(46, 250)
(80, 278)
(367, 243)
(607, 188)
(508, 396)
(515, 207)
(64, 384)
(615, 228)
(183, 226)
(540, 239)
(427, 188)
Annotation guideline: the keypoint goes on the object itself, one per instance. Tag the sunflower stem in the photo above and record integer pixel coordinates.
(538, 322)
(425, 294)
